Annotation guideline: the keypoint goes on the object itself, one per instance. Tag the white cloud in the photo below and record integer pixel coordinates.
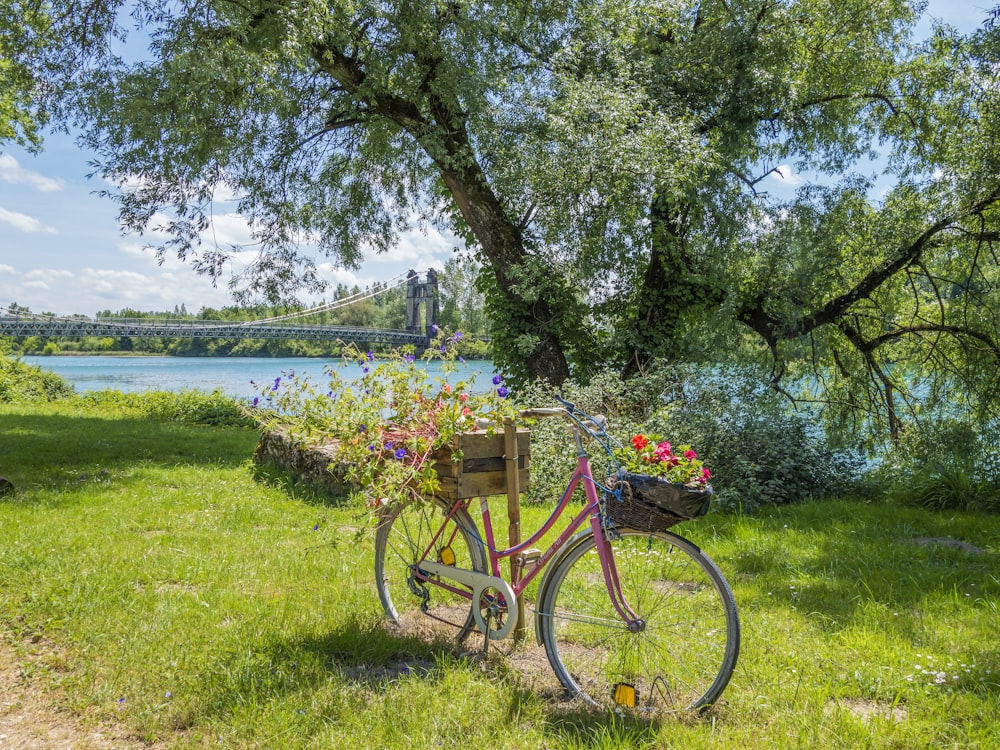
(784, 174)
(11, 171)
(23, 222)
(48, 274)
(6, 269)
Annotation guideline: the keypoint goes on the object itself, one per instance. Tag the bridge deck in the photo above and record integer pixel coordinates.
(21, 325)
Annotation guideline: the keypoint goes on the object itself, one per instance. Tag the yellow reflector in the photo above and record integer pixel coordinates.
(446, 556)
(625, 695)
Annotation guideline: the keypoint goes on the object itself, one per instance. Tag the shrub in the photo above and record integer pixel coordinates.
(26, 383)
(946, 463)
(189, 406)
(760, 452)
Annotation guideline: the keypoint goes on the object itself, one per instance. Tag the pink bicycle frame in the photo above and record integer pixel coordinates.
(583, 473)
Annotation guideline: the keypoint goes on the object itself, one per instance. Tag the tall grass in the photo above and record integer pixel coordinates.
(149, 581)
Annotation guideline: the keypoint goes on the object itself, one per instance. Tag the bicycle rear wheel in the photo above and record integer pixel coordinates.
(409, 534)
(686, 650)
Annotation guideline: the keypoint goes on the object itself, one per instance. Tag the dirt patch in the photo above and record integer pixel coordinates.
(30, 716)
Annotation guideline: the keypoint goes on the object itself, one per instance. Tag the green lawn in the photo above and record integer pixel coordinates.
(149, 582)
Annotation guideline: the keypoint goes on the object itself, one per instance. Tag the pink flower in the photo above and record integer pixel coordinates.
(690, 455)
(663, 453)
(705, 473)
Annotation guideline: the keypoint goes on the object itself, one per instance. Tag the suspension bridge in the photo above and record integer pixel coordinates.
(421, 313)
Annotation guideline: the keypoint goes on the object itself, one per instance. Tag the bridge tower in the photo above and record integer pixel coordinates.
(417, 294)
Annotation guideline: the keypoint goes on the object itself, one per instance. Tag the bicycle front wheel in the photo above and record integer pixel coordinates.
(418, 604)
(688, 638)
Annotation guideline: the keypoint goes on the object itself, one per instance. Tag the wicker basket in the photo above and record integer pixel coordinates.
(652, 504)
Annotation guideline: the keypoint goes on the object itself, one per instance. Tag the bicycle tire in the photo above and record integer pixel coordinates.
(404, 534)
(684, 656)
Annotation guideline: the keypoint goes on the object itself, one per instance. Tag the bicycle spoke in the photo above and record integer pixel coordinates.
(686, 645)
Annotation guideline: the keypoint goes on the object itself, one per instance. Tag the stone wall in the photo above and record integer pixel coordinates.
(310, 463)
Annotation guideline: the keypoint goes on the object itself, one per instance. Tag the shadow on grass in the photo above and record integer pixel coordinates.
(296, 487)
(63, 452)
(369, 659)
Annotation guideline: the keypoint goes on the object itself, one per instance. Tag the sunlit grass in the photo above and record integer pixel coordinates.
(149, 580)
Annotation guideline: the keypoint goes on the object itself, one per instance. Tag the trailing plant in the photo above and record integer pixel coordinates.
(385, 417)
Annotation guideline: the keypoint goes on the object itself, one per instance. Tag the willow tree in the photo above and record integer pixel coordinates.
(878, 279)
(21, 117)
(606, 163)
(335, 126)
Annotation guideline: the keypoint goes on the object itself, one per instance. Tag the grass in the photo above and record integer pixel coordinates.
(150, 582)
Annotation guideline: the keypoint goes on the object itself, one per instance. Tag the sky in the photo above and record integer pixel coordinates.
(62, 252)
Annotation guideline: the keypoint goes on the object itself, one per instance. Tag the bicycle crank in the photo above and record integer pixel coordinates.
(480, 584)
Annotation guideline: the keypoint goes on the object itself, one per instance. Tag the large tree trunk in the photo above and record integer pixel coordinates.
(670, 286)
(440, 129)
(503, 246)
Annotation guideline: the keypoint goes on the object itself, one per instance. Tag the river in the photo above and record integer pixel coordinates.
(231, 375)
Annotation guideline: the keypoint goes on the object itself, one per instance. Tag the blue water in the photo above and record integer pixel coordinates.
(231, 375)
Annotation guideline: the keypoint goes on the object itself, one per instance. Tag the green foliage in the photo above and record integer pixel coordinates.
(761, 452)
(21, 383)
(946, 464)
(188, 406)
(384, 426)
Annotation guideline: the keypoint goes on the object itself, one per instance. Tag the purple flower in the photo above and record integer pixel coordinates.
(388, 446)
(502, 392)
(362, 427)
(370, 356)
(401, 454)
(364, 369)
(497, 379)
(410, 359)
(256, 400)
(434, 328)
(462, 360)
(371, 447)
(316, 527)
(457, 336)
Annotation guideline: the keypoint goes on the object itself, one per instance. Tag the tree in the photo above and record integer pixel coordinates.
(20, 116)
(605, 162)
(865, 294)
(338, 122)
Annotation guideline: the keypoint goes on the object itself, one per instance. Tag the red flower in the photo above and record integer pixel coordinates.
(639, 442)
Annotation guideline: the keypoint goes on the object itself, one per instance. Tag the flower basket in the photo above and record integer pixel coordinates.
(480, 467)
(654, 504)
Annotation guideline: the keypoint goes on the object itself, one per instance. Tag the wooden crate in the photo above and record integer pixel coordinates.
(482, 469)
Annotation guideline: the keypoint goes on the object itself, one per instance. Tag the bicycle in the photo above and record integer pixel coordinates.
(635, 619)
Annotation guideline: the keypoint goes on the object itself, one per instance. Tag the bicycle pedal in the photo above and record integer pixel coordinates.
(529, 557)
